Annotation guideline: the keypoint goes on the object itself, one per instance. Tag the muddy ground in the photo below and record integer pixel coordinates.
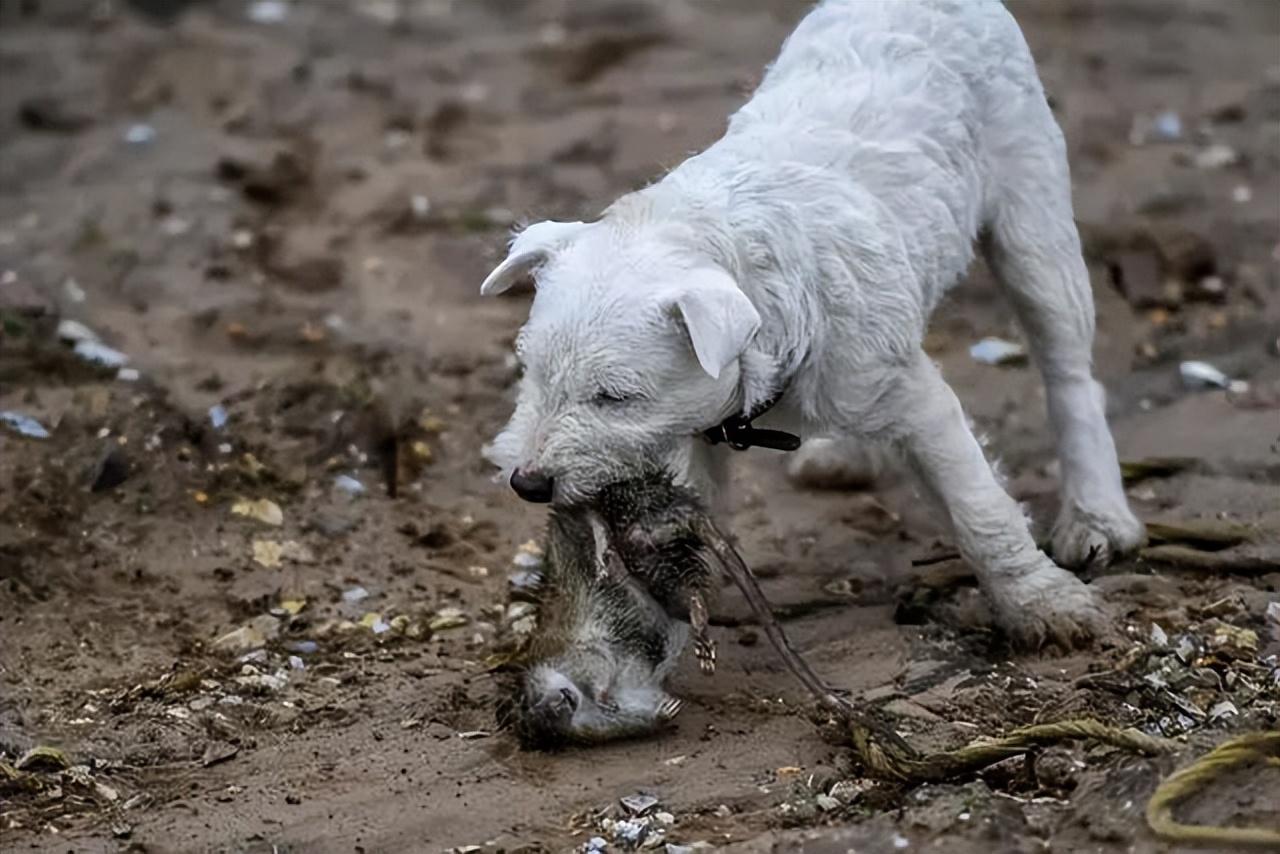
(283, 224)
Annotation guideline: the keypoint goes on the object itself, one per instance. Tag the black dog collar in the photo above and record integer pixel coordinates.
(736, 431)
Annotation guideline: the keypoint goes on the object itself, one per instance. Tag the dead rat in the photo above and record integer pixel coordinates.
(625, 583)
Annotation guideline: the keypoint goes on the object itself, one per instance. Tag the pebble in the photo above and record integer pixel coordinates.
(826, 803)
(24, 425)
(1167, 126)
(303, 647)
(73, 331)
(1216, 156)
(448, 618)
(847, 791)
(139, 134)
(218, 416)
(74, 292)
(996, 351)
(638, 804)
(348, 484)
(263, 509)
(100, 354)
(1201, 374)
(355, 594)
(128, 375)
(268, 11)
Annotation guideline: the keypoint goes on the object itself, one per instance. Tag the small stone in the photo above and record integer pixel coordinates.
(996, 351)
(638, 804)
(1158, 636)
(98, 353)
(24, 425)
(1224, 709)
(374, 622)
(139, 134)
(1216, 156)
(267, 553)
(73, 332)
(848, 791)
(826, 803)
(252, 635)
(263, 509)
(349, 485)
(216, 752)
(448, 618)
(218, 416)
(268, 11)
(355, 594)
(1166, 127)
(900, 842)
(1201, 375)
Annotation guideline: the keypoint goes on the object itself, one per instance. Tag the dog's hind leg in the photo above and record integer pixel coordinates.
(1034, 249)
(1034, 601)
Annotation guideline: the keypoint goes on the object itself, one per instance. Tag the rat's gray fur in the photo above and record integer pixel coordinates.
(613, 621)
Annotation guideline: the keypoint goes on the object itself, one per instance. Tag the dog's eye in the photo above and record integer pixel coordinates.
(613, 397)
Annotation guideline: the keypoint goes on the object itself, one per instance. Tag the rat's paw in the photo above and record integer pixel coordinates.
(705, 650)
(1049, 606)
(669, 708)
(1087, 537)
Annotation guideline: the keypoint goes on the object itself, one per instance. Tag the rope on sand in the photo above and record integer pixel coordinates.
(1245, 749)
(889, 757)
(886, 759)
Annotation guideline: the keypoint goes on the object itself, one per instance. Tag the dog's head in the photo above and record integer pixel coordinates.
(633, 345)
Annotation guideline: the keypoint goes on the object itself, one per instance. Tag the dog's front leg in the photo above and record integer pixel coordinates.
(1035, 602)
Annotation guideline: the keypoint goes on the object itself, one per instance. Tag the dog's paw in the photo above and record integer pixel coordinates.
(1049, 606)
(834, 464)
(1083, 538)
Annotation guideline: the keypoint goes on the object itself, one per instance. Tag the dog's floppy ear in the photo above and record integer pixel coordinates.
(530, 248)
(721, 321)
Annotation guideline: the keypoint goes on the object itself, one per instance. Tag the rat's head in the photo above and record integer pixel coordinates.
(632, 347)
(589, 694)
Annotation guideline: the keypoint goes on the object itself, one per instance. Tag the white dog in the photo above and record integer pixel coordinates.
(796, 262)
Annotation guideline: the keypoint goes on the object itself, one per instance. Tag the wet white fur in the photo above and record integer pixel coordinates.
(805, 250)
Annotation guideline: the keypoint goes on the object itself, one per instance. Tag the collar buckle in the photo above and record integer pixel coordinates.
(736, 432)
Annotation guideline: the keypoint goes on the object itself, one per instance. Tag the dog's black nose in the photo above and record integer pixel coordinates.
(532, 486)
